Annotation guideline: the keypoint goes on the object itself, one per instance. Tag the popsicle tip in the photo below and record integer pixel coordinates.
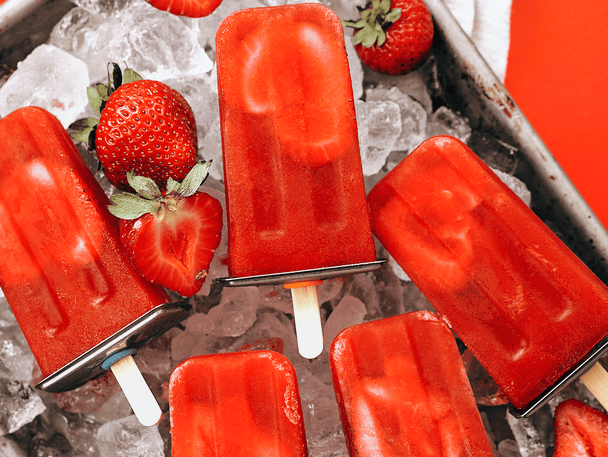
(307, 318)
(310, 349)
(138, 393)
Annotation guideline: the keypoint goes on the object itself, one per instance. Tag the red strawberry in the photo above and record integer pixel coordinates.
(145, 127)
(170, 237)
(580, 430)
(189, 8)
(394, 36)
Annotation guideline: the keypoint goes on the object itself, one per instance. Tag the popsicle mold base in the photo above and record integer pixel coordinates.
(124, 342)
(585, 365)
(302, 275)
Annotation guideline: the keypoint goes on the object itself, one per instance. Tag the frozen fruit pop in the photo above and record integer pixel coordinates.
(295, 194)
(62, 268)
(402, 390)
(236, 404)
(521, 301)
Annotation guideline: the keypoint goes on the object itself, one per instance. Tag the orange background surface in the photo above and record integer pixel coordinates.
(557, 73)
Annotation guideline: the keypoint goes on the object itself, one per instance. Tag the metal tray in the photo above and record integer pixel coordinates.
(469, 85)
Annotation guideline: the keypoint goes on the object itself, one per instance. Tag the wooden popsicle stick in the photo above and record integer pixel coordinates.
(137, 391)
(596, 380)
(307, 318)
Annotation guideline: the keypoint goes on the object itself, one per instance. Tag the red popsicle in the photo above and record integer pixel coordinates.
(236, 404)
(295, 194)
(62, 267)
(403, 391)
(521, 301)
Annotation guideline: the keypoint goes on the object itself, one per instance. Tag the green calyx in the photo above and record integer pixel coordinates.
(373, 23)
(98, 96)
(149, 198)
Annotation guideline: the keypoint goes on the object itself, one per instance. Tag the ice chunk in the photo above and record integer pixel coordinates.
(211, 149)
(444, 121)
(321, 417)
(402, 275)
(207, 26)
(201, 97)
(516, 185)
(235, 313)
(128, 438)
(89, 397)
(349, 311)
(19, 405)
(413, 116)
(379, 124)
(154, 43)
(16, 359)
(356, 68)
(528, 438)
(51, 79)
(103, 7)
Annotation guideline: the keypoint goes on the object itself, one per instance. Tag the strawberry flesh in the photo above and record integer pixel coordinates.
(174, 248)
(580, 430)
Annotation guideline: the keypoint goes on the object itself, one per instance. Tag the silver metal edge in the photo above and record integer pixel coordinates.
(302, 275)
(139, 332)
(497, 104)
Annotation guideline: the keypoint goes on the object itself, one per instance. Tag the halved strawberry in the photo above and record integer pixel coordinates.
(580, 430)
(170, 237)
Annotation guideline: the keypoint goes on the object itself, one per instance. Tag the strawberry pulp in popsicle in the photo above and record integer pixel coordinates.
(402, 390)
(521, 301)
(236, 404)
(295, 195)
(62, 268)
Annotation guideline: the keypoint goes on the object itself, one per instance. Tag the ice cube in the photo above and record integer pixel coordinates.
(19, 405)
(154, 43)
(128, 438)
(51, 79)
(235, 313)
(321, 417)
(379, 124)
(349, 311)
(444, 121)
(356, 68)
(89, 397)
(16, 359)
(211, 149)
(529, 440)
(103, 7)
(516, 185)
(413, 116)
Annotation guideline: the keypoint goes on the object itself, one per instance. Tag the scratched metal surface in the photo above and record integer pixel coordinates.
(472, 88)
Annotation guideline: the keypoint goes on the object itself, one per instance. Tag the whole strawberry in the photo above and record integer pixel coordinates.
(144, 126)
(188, 8)
(170, 237)
(393, 36)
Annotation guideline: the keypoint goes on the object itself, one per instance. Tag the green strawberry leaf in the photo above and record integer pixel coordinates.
(129, 206)
(130, 76)
(194, 179)
(144, 186)
(82, 136)
(373, 23)
(95, 100)
(172, 185)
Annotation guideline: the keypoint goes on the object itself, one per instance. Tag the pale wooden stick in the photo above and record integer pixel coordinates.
(596, 380)
(308, 321)
(137, 391)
